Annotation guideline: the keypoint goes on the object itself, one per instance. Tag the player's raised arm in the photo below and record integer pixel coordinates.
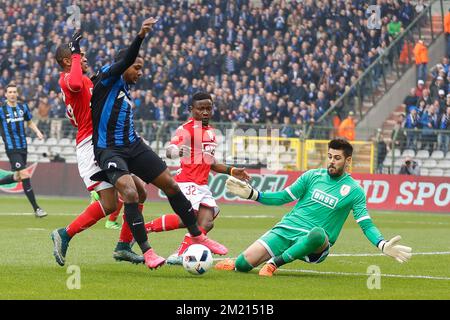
(292, 193)
(390, 248)
(119, 67)
(74, 80)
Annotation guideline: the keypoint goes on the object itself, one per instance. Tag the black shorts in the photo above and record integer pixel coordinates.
(18, 159)
(137, 158)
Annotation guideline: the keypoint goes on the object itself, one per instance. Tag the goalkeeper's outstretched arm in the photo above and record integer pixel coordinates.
(391, 247)
(292, 193)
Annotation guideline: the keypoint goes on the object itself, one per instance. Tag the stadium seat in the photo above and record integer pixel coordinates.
(429, 163)
(447, 173)
(55, 149)
(44, 160)
(424, 172)
(41, 149)
(155, 145)
(71, 159)
(68, 151)
(408, 153)
(65, 142)
(3, 157)
(396, 153)
(51, 142)
(2, 148)
(436, 172)
(38, 142)
(31, 148)
(447, 156)
(32, 158)
(29, 140)
(423, 154)
(443, 164)
(437, 155)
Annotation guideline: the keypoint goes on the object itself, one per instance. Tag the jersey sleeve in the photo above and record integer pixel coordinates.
(180, 137)
(27, 114)
(74, 80)
(294, 192)
(364, 220)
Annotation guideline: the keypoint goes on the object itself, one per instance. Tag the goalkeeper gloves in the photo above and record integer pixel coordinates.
(241, 189)
(394, 250)
(74, 44)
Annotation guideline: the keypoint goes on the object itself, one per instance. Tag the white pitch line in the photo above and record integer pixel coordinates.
(381, 254)
(408, 276)
(36, 229)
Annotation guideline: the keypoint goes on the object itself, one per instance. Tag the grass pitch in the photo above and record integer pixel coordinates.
(29, 271)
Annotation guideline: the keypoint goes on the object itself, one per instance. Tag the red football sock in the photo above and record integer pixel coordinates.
(87, 218)
(166, 222)
(125, 232)
(113, 216)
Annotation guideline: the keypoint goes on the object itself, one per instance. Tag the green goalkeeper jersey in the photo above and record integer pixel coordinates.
(323, 201)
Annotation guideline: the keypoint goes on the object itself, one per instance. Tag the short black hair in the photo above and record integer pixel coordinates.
(341, 144)
(201, 96)
(62, 52)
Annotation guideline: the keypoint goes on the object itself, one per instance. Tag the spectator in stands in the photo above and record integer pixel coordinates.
(436, 86)
(447, 31)
(412, 123)
(347, 127)
(444, 137)
(410, 167)
(381, 151)
(429, 122)
(398, 136)
(421, 58)
(287, 130)
(411, 100)
(394, 27)
(419, 89)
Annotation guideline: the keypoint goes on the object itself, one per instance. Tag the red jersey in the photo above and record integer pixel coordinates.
(77, 92)
(202, 141)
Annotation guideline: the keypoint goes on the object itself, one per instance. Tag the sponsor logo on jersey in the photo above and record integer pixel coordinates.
(345, 189)
(209, 148)
(324, 199)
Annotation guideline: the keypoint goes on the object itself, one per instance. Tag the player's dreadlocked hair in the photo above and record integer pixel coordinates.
(341, 144)
(62, 52)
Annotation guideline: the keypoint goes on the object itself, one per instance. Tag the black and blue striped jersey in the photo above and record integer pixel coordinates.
(12, 125)
(112, 114)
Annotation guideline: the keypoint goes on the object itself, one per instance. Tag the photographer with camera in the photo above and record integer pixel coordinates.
(410, 167)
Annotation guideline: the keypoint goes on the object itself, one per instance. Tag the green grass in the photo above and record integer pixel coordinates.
(29, 271)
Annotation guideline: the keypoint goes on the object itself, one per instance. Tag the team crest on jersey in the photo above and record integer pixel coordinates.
(210, 134)
(345, 189)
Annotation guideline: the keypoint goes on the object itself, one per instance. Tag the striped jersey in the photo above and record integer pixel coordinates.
(12, 126)
(112, 114)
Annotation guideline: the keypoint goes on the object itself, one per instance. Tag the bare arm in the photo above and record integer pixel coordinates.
(36, 130)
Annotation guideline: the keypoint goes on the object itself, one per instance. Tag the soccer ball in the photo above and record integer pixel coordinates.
(197, 259)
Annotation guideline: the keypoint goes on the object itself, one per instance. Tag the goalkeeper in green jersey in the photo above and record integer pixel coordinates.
(324, 198)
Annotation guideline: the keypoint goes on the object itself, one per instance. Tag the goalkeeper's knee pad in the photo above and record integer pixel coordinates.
(242, 265)
(317, 237)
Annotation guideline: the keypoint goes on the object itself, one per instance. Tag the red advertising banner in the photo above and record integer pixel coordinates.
(383, 192)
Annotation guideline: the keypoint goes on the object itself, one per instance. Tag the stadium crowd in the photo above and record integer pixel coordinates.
(427, 109)
(265, 61)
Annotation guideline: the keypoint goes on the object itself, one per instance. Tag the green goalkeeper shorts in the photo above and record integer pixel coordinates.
(278, 240)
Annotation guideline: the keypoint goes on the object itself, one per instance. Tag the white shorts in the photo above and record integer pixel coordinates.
(87, 166)
(199, 195)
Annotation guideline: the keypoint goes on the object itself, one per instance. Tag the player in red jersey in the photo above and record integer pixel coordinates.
(77, 89)
(195, 143)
